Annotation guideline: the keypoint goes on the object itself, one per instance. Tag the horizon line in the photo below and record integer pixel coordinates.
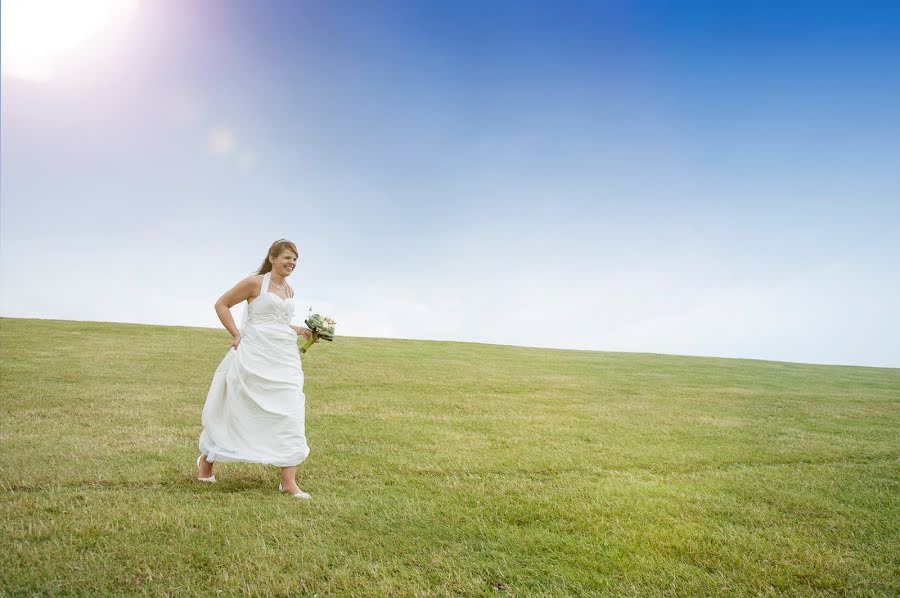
(648, 353)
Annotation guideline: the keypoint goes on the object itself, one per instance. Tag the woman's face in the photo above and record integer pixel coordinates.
(284, 264)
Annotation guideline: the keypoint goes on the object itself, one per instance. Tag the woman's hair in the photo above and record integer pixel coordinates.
(274, 251)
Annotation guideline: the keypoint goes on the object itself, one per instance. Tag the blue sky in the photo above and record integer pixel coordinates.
(705, 178)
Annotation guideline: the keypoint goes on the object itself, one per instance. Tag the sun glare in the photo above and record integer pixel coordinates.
(37, 34)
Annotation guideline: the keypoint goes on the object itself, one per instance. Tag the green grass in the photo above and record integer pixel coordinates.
(443, 468)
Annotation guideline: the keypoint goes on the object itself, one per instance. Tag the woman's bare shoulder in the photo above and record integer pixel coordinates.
(245, 289)
(252, 283)
(249, 286)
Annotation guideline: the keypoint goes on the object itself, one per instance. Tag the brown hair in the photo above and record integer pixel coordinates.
(274, 251)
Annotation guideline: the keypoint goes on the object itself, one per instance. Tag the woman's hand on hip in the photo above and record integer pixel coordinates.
(236, 340)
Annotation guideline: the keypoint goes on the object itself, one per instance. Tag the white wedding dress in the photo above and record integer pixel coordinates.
(255, 409)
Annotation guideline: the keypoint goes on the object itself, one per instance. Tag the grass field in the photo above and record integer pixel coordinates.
(444, 468)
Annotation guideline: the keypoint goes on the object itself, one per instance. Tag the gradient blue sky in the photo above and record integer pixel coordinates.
(705, 178)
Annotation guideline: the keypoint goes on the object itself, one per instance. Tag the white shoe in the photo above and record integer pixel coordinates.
(211, 479)
(300, 494)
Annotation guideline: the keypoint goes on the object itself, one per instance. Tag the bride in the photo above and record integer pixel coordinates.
(255, 409)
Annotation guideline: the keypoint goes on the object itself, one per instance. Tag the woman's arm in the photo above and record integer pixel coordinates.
(300, 330)
(242, 291)
(304, 332)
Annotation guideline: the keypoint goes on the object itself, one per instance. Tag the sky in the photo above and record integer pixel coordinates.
(696, 178)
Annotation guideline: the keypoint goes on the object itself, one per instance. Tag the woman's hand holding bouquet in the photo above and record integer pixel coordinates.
(319, 327)
(306, 333)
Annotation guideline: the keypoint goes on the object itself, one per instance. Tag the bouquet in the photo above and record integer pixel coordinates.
(322, 328)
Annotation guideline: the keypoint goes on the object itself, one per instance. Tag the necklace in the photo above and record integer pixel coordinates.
(276, 286)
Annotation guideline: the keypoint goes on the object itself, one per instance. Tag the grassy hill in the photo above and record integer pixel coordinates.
(443, 468)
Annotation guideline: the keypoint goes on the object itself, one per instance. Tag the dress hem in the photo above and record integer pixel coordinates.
(214, 455)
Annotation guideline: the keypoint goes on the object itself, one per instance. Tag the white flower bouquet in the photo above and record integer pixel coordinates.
(321, 327)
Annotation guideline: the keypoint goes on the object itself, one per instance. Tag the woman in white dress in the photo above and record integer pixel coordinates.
(255, 409)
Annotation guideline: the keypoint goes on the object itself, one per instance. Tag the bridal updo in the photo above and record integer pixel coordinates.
(274, 251)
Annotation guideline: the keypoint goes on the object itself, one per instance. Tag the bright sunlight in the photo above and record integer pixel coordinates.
(37, 34)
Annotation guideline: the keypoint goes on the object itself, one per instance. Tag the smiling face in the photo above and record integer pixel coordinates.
(285, 263)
